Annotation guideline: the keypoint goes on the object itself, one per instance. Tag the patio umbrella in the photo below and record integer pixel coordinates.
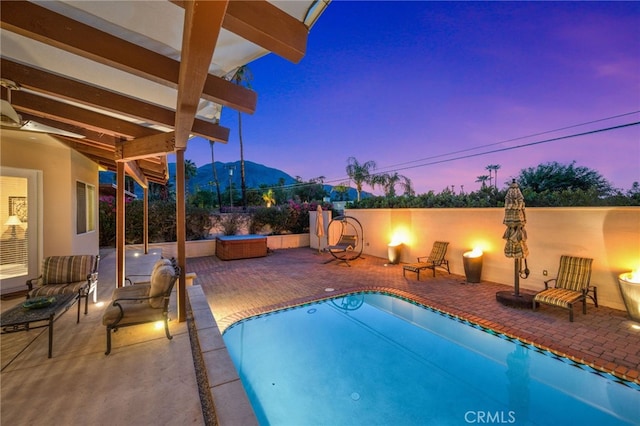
(515, 234)
(319, 226)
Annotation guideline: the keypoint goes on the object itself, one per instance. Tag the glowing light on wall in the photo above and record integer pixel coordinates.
(400, 235)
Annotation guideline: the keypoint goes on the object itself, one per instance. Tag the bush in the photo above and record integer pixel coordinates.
(162, 222)
(230, 223)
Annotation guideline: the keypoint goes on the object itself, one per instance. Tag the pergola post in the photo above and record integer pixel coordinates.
(181, 233)
(145, 215)
(120, 220)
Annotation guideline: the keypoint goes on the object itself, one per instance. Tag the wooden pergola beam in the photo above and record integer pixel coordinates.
(38, 23)
(52, 84)
(266, 25)
(202, 23)
(149, 146)
(133, 170)
(40, 106)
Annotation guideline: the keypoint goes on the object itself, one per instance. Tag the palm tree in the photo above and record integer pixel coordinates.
(407, 185)
(483, 179)
(360, 173)
(489, 167)
(215, 174)
(269, 197)
(242, 77)
(190, 171)
(494, 168)
(495, 174)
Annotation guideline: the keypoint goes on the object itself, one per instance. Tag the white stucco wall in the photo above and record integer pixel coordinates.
(609, 235)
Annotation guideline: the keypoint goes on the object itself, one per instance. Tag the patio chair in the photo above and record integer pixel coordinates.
(142, 303)
(343, 250)
(436, 259)
(67, 275)
(571, 286)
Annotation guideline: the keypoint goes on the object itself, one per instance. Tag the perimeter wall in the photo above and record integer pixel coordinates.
(609, 235)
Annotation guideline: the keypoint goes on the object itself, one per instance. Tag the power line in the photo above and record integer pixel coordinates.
(512, 140)
(575, 135)
(386, 170)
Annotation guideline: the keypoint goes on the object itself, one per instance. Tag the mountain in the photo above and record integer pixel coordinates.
(256, 175)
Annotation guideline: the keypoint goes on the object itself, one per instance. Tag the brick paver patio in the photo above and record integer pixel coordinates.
(604, 338)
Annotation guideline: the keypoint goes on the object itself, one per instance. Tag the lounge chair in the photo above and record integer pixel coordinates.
(76, 274)
(435, 260)
(571, 286)
(142, 303)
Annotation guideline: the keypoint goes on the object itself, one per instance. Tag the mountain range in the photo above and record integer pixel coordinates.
(255, 174)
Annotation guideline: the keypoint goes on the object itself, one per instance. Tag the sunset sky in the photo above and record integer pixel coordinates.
(418, 86)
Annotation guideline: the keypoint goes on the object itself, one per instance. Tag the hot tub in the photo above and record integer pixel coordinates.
(232, 247)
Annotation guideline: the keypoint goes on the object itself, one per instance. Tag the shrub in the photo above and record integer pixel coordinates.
(230, 223)
(162, 222)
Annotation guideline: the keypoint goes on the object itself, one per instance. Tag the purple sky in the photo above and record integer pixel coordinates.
(410, 85)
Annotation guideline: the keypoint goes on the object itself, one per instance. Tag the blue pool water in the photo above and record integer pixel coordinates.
(375, 359)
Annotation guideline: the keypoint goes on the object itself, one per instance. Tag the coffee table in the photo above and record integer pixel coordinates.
(19, 318)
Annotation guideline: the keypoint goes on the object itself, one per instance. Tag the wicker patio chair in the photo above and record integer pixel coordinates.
(571, 286)
(436, 259)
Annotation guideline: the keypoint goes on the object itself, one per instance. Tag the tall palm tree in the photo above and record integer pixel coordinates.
(215, 174)
(490, 168)
(242, 77)
(493, 168)
(360, 173)
(190, 171)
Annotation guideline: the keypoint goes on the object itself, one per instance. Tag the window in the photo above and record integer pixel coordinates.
(85, 208)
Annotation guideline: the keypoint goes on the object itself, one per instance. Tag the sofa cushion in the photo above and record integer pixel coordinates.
(136, 312)
(54, 289)
(161, 280)
(66, 269)
(131, 291)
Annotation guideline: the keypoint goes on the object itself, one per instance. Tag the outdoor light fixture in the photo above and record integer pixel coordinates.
(630, 288)
(395, 249)
(472, 261)
(395, 246)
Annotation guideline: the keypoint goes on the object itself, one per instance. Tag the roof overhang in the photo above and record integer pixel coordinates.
(131, 80)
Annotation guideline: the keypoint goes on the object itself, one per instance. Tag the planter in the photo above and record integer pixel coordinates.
(630, 288)
(472, 261)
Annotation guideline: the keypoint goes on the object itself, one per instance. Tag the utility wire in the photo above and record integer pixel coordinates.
(575, 135)
(392, 167)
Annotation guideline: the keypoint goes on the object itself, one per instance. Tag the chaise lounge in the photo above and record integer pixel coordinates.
(436, 259)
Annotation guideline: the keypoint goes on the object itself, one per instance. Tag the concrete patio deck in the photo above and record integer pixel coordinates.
(148, 379)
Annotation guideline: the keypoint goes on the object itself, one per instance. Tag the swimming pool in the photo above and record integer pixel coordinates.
(372, 358)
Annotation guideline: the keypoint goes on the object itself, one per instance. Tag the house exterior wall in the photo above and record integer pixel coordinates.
(609, 235)
(61, 167)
